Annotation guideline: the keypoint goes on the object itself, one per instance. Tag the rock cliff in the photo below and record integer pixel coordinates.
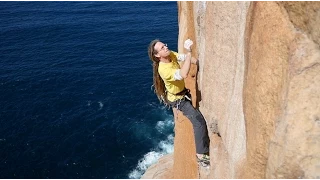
(257, 84)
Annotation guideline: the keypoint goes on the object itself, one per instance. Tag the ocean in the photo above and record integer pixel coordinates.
(75, 88)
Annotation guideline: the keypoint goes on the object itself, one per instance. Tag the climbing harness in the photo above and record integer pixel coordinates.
(176, 104)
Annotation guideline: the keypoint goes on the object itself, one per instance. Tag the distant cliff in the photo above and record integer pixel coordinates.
(258, 84)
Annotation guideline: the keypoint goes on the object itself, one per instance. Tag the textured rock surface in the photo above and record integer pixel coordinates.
(281, 90)
(221, 83)
(258, 84)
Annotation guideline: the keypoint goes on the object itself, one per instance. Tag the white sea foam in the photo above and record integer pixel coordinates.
(164, 147)
(100, 105)
(147, 160)
(163, 125)
(167, 145)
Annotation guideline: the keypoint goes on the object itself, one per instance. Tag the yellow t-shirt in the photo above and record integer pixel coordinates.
(167, 71)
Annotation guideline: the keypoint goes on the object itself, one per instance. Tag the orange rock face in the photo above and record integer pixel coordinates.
(258, 84)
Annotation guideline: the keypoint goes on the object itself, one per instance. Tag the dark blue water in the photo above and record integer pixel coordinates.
(75, 90)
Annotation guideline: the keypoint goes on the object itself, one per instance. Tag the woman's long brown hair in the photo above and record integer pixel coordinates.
(160, 89)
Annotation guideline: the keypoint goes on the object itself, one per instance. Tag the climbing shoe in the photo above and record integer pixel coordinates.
(204, 161)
